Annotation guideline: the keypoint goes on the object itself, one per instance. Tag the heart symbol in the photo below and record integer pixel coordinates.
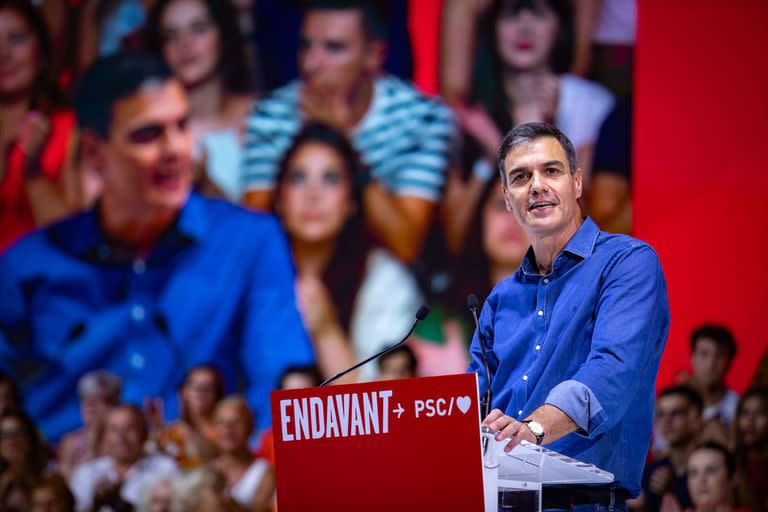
(463, 403)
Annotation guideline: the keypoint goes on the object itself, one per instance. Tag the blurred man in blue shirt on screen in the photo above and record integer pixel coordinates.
(575, 336)
(154, 279)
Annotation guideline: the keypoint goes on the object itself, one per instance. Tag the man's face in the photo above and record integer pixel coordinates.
(677, 418)
(710, 362)
(335, 56)
(146, 161)
(541, 191)
(124, 435)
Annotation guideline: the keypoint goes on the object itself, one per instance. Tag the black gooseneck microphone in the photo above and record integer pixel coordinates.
(421, 314)
(474, 306)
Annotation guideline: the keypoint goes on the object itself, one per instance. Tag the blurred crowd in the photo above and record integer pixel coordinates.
(142, 327)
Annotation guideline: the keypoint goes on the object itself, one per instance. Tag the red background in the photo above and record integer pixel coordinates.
(700, 182)
(420, 464)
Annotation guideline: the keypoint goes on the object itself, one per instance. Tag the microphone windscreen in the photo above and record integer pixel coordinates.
(472, 302)
(422, 313)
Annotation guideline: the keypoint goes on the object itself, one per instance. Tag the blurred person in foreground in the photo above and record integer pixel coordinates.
(117, 480)
(355, 298)
(403, 137)
(575, 336)
(154, 279)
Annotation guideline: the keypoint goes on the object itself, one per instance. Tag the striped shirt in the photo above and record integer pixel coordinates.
(405, 138)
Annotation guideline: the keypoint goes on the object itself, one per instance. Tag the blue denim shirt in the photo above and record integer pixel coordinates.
(586, 338)
(217, 287)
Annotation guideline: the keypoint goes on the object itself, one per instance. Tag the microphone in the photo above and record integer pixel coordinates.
(474, 306)
(421, 314)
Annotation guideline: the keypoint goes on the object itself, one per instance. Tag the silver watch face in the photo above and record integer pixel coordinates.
(536, 428)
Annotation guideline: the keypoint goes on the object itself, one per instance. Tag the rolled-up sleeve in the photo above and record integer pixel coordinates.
(631, 322)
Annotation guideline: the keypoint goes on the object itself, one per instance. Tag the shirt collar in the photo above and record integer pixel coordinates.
(82, 235)
(581, 244)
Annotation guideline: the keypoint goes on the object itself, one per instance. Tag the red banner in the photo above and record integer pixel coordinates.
(412, 444)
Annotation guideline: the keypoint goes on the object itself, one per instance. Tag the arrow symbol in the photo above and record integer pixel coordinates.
(399, 410)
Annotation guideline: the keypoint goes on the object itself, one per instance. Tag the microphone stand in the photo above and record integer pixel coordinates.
(489, 459)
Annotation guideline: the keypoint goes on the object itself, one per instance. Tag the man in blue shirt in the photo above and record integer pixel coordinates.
(575, 336)
(154, 279)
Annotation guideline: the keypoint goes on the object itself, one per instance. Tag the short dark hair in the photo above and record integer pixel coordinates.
(529, 133)
(690, 394)
(309, 371)
(730, 463)
(720, 334)
(374, 28)
(110, 79)
(413, 362)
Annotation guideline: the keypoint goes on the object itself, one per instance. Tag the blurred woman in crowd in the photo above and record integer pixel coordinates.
(35, 131)
(98, 391)
(200, 41)
(190, 439)
(496, 244)
(532, 52)
(250, 481)
(751, 448)
(23, 459)
(350, 293)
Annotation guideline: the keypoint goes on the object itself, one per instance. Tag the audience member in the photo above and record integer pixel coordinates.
(10, 396)
(400, 363)
(531, 52)
(202, 490)
(249, 481)
(712, 351)
(678, 417)
(710, 470)
(23, 458)
(200, 41)
(351, 294)
(52, 494)
(403, 137)
(156, 496)
(190, 439)
(106, 27)
(751, 449)
(98, 391)
(164, 279)
(35, 131)
(118, 478)
(299, 377)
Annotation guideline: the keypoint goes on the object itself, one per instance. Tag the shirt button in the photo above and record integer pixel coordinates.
(137, 312)
(137, 361)
(546, 281)
(540, 313)
(538, 347)
(139, 266)
(520, 412)
(525, 377)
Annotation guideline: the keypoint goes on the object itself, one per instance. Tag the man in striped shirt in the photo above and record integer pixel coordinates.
(403, 137)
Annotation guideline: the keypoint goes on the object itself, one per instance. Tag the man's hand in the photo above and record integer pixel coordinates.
(328, 106)
(506, 427)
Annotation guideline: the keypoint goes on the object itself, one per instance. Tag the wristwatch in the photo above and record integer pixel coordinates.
(536, 429)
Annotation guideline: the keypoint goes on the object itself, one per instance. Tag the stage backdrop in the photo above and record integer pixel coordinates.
(701, 179)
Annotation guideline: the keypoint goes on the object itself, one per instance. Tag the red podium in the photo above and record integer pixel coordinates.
(404, 445)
